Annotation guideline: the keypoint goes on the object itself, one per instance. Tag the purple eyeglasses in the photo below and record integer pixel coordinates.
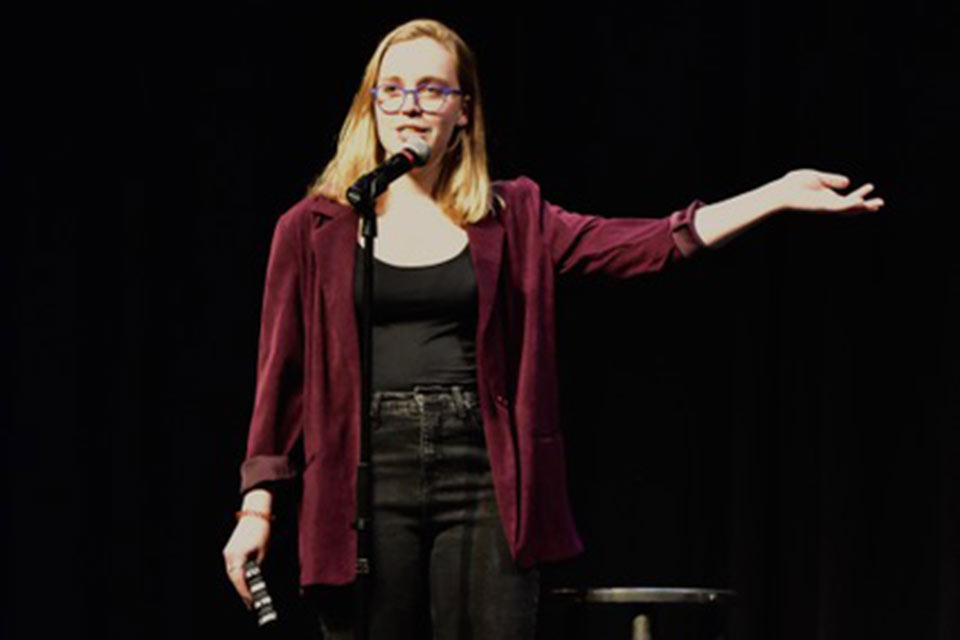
(430, 98)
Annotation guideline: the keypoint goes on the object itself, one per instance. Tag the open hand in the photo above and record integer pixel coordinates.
(811, 190)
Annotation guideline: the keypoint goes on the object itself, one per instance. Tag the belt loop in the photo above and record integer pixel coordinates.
(418, 398)
(459, 401)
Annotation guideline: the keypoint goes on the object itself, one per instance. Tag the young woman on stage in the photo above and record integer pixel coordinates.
(469, 489)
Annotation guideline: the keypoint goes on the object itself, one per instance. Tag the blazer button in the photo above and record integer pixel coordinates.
(501, 400)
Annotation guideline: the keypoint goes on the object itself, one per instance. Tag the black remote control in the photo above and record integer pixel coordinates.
(262, 603)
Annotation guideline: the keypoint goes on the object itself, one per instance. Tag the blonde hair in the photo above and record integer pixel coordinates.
(462, 189)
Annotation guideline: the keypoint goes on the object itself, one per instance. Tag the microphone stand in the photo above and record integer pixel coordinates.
(362, 196)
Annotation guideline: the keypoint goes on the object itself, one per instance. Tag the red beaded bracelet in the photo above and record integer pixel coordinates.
(259, 514)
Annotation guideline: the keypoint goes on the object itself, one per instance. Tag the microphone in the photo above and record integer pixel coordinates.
(368, 187)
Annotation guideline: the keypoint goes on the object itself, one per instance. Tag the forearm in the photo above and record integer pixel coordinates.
(717, 223)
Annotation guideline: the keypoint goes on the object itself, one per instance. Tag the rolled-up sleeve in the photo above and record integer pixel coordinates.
(616, 247)
(276, 423)
(685, 235)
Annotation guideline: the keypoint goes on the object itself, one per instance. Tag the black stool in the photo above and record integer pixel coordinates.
(644, 600)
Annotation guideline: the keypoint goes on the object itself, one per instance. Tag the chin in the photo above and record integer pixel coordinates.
(402, 142)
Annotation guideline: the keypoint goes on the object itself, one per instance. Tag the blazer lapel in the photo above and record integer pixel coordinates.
(333, 242)
(486, 250)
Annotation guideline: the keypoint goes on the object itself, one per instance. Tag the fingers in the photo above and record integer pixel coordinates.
(237, 577)
(235, 572)
(857, 198)
(858, 207)
(862, 191)
(834, 180)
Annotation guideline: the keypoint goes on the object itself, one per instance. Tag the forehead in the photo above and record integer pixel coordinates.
(414, 59)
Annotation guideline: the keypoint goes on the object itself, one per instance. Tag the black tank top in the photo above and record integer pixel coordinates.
(424, 322)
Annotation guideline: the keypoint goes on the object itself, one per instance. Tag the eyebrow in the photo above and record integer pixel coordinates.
(421, 79)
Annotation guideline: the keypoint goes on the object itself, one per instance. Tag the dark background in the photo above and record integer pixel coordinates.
(790, 433)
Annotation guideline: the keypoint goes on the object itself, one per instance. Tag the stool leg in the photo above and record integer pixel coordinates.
(641, 628)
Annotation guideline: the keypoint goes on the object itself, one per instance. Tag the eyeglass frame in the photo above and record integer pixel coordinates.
(416, 98)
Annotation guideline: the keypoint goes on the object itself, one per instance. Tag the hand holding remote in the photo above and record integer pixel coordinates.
(249, 540)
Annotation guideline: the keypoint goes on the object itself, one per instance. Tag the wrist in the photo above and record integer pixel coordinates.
(257, 500)
(771, 198)
(252, 513)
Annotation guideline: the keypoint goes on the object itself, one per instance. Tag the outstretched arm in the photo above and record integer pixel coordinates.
(801, 189)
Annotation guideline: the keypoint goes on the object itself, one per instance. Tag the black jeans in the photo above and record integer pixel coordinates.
(440, 558)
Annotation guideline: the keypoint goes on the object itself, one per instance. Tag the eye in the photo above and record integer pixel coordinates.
(389, 89)
(432, 90)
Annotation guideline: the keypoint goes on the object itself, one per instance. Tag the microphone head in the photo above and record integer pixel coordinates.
(420, 149)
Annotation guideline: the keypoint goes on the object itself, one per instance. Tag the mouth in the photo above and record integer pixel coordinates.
(405, 131)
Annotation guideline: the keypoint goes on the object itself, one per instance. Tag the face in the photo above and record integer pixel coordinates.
(409, 64)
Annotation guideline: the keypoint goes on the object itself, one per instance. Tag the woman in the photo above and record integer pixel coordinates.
(469, 480)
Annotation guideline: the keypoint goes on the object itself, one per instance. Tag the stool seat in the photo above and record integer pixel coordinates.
(633, 595)
(641, 601)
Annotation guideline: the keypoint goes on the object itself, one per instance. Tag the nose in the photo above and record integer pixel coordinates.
(411, 105)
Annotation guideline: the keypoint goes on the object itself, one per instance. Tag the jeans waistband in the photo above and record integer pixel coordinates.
(455, 397)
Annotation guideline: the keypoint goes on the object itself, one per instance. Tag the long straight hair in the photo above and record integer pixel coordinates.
(462, 189)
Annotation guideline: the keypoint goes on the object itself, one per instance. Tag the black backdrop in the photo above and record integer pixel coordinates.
(790, 431)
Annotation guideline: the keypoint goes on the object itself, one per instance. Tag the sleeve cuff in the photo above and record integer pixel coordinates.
(681, 228)
(261, 469)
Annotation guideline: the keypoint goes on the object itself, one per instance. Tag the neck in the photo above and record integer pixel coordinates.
(414, 185)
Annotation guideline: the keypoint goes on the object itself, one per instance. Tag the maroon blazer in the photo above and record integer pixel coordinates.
(308, 369)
